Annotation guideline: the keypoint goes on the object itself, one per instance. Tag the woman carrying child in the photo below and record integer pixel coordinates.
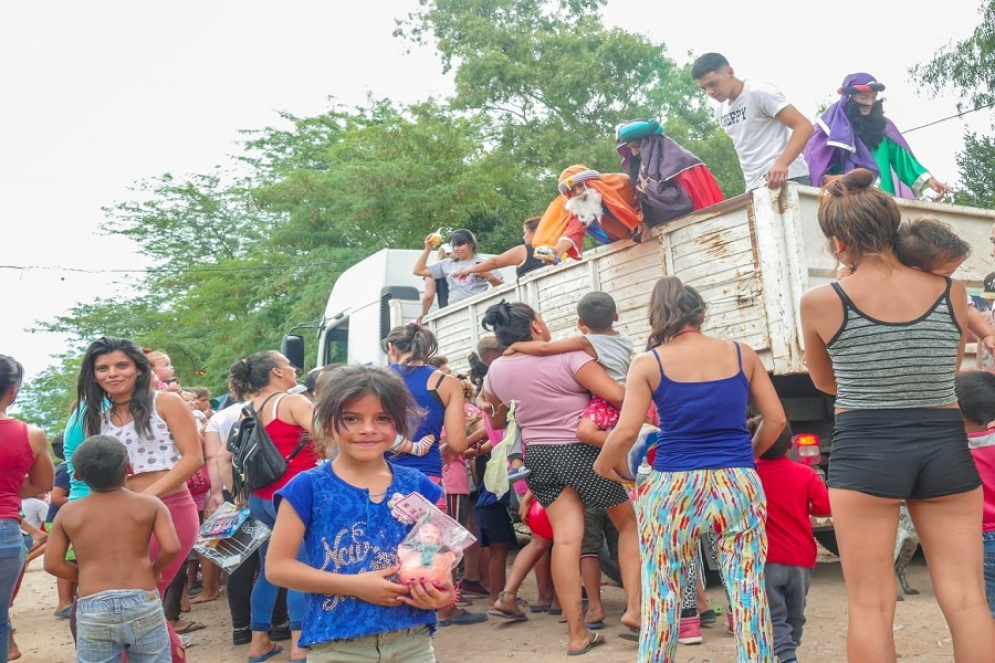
(342, 514)
(117, 398)
(705, 477)
(898, 434)
(551, 394)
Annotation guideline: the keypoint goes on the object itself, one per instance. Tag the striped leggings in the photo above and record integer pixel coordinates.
(675, 509)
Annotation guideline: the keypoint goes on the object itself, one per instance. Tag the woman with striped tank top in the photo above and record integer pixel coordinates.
(887, 341)
(705, 478)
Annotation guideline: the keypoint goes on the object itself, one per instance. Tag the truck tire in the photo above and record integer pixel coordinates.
(827, 539)
(609, 566)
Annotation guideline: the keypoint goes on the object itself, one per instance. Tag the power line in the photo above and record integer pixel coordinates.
(148, 270)
(944, 119)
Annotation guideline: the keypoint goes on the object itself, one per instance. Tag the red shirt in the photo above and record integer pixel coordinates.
(16, 459)
(285, 438)
(794, 492)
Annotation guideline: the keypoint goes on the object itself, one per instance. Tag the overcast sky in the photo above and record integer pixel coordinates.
(99, 95)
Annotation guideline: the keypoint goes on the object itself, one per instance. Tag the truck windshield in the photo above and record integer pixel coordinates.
(336, 345)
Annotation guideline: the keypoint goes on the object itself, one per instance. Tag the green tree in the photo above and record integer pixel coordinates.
(976, 164)
(555, 82)
(967, 65)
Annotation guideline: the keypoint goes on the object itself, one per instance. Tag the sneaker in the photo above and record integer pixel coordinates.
(241, 636)
(518, 473)
(547, 254)
(186, 639)
(730, 628)
(473, 589)
(690, 631)
(708, 617)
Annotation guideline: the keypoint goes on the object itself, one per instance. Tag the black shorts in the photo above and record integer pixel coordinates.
(494, 525)
(556, 466)
(914, 453)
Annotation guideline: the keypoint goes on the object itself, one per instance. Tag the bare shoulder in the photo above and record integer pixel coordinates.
(167, 402)
(819, 295)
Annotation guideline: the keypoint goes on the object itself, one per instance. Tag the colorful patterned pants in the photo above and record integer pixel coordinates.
(675, 509)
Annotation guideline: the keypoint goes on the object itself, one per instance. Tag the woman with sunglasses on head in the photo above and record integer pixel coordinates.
(264, 379)
(117, 398)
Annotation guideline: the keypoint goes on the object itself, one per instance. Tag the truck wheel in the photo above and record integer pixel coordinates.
(609, 566)
(827, 538)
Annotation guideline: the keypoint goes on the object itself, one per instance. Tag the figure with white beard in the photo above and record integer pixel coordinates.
(602, 206)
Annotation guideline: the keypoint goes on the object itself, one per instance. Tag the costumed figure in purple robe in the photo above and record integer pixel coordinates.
(854, 133)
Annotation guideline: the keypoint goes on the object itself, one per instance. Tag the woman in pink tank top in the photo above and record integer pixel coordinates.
(159, 431)
(23, 453)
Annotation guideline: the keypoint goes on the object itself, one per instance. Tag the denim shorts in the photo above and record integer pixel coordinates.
(989, 541)
(117, 620)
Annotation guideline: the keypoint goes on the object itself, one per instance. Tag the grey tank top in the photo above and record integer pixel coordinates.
(895, 365)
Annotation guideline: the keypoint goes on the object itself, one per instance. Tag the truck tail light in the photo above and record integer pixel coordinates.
(807, 447)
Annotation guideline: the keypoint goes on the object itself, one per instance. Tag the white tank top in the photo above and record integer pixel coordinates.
(153, 452)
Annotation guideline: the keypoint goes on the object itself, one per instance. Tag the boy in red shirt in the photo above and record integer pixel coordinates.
(794, 492)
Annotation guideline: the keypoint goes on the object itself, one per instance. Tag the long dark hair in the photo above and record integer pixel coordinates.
(91, 395)
(673, 306)
(11, 374)
(509, 322)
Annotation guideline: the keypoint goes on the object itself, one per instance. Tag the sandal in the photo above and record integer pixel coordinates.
(190, 627)
(512, 615)
(596, 641)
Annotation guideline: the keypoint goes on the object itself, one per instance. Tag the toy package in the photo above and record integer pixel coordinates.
(230, 536)
(435, 544)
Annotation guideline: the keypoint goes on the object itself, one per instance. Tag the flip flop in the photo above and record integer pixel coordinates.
(595, 626)
(277, 649)
(555, 611)
(190, 627)
(596, 641)
(539, 608)
(632, 635)
(507, 614)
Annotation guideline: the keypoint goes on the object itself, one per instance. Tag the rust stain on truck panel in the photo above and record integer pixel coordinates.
(714, 243)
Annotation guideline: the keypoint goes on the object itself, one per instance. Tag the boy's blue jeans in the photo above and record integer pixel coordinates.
(11, 560)
(117, 620)
(989, 540)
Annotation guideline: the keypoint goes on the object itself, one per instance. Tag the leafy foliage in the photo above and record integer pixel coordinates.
(241, 259)
(967, 65)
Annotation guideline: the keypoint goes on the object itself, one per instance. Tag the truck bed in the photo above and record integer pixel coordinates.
(751, 257)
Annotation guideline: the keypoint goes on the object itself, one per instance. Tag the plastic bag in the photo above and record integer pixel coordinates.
(230, 536)
(496, 474)
(435, 544)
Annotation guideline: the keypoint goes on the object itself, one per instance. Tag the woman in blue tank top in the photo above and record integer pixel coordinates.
(439, 396)
(886, 341)
(705, 479)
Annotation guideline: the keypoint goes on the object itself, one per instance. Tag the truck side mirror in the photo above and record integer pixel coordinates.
(292, 347)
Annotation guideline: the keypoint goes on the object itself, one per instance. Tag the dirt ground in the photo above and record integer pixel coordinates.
(920, 632)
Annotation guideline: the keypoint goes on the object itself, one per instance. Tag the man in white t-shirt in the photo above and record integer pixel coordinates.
(767, 132)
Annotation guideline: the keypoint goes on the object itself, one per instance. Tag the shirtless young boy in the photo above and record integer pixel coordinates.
(118, 608)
